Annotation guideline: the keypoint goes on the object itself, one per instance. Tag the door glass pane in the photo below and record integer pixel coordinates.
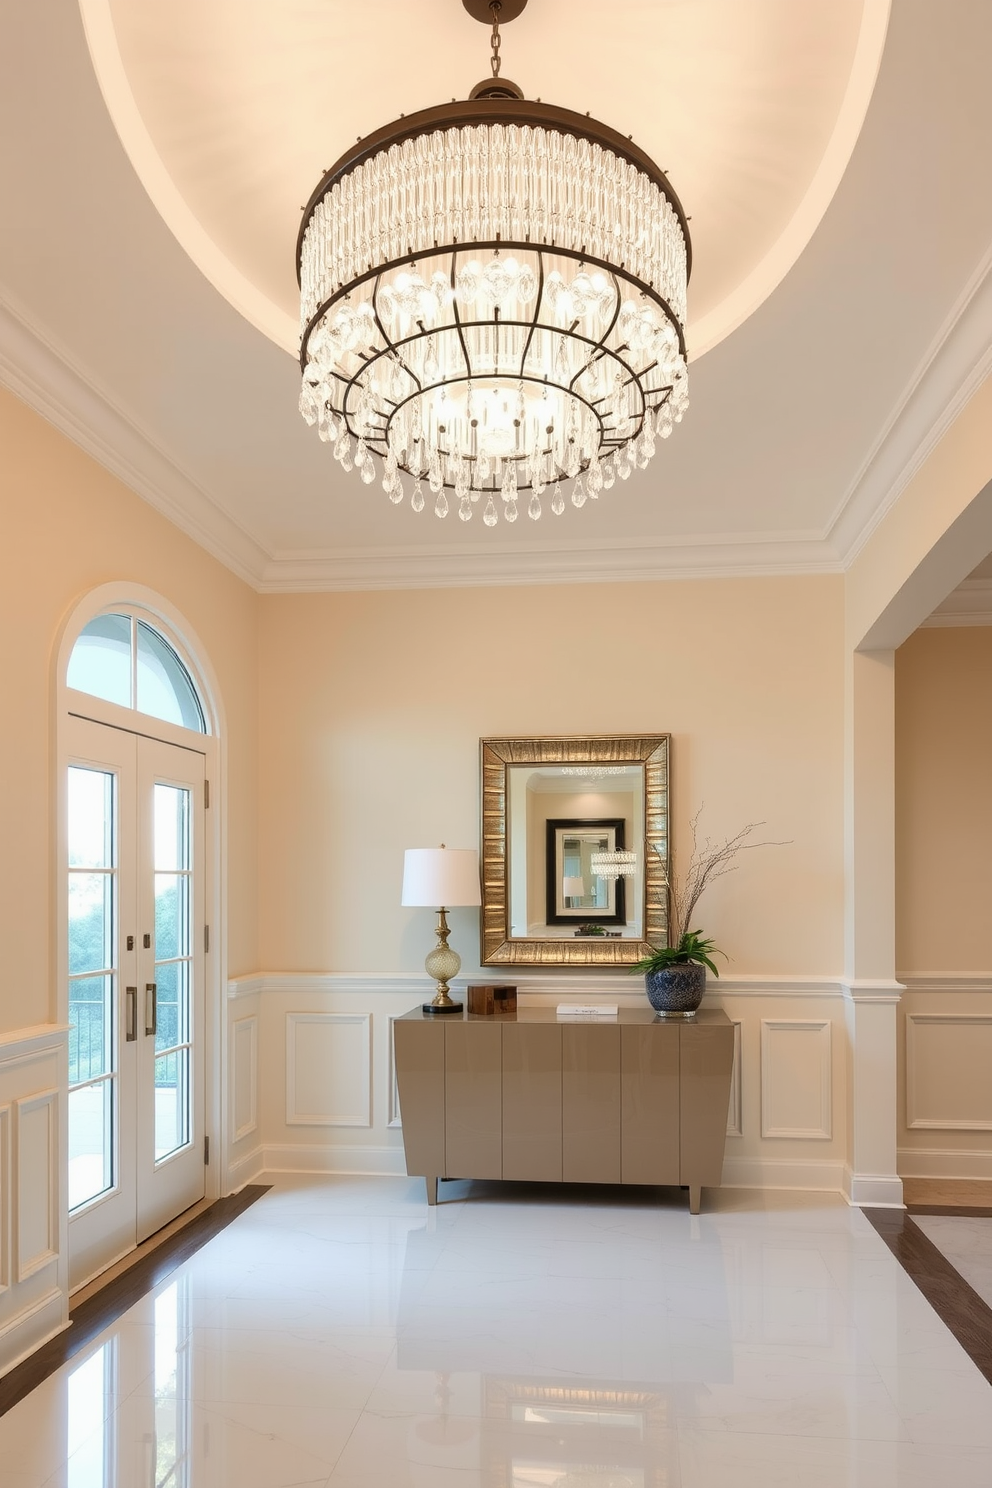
(100, 663)
(171, 916)
(90, 1044)
(91, 1126)
(171, 1102)
(92, 892)
(91, 818)
(91, 921)
(173, 967)
(164, 686)
(173, 1006)
(172, 845)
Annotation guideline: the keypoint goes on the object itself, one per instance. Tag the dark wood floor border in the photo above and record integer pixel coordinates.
(105, 1306)
(959, 1211)
(957, 1304)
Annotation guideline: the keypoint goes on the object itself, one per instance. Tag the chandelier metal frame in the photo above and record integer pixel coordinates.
(541, 377)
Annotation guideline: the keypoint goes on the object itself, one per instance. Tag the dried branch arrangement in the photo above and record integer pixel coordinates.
(708, 862)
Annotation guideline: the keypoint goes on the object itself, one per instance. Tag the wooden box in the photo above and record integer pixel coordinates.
(486, 1001)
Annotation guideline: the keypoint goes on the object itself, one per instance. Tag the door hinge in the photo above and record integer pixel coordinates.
(206, 1152)
(206, 937)
(206, 795)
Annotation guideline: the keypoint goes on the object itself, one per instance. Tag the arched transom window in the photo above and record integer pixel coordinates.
(126, 661)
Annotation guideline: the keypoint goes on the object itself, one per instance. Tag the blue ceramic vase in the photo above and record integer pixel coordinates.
(676, 991)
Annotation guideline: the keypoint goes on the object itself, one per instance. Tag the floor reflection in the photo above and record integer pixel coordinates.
(338, 1335)
(118, 1433)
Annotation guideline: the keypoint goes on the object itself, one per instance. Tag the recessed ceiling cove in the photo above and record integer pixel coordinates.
(230, 112)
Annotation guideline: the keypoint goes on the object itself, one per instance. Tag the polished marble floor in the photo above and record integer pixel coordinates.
(340, 1333)
(966, 1241)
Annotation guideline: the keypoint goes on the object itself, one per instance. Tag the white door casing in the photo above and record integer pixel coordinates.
(155, 1006)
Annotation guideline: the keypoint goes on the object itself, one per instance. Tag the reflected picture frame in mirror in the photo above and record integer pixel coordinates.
(508, 935)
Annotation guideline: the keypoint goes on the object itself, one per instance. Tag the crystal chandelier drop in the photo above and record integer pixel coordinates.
(612, 865)
(492, 302)
(594, 772)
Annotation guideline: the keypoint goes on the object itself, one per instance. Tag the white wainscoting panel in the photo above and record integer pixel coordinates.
(244, 1077)
(6, 1177)
(37, 1127)
(735, 1114)
(329, 1069)
(796, 1078)
(395, 1119)
(329, 1036)
(34, 1302)
(949, 1071)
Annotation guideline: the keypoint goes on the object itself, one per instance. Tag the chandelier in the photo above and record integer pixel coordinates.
(612, 865)
(492, 303)
(594, 772)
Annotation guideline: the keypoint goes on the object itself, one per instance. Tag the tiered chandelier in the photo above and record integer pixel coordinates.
(613, 865)
(493, 303)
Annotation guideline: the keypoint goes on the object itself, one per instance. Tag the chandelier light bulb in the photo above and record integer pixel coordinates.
(492, 301)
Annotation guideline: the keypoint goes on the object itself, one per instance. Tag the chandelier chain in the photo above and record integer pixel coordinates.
(495, 6)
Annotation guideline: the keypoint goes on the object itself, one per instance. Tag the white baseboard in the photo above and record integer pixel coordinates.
(876, 1190)
(26, 1331)
(290, 1157)
(246, 1170)
(944, 1162)
(822, 1175)
(389, 1162)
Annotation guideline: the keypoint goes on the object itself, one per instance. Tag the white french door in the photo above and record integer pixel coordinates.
(136, 977)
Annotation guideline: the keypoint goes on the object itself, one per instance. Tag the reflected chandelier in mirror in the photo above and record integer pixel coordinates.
(574, 850)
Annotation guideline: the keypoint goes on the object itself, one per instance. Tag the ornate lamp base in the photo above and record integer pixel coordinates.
(442, 964)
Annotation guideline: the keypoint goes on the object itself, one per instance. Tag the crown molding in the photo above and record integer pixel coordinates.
(969, 604)
(955, 365)
(591, 562)
(44, 377)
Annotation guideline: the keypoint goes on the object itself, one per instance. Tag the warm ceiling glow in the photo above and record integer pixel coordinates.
(493, 302)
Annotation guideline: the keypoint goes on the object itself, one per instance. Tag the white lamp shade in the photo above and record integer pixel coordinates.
(573, 888)
(436, 876)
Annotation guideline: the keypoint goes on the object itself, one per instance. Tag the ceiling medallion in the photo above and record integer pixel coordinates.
(492, 301)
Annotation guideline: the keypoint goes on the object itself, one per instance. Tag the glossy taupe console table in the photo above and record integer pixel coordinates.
(636, 1099)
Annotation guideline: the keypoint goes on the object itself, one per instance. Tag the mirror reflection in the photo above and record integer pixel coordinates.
(574, 866)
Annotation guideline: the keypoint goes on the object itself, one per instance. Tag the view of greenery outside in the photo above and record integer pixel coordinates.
(89, 951)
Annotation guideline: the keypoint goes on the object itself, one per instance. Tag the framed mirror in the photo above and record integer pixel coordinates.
(575, 851)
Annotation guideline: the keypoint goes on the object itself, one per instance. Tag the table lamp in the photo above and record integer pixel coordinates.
(441, 878)
(572, 888)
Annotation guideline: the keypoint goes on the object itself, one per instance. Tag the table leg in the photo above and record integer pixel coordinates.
(432, 1191)
(695, 1195)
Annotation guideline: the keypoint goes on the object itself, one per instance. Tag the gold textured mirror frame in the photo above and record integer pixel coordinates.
(499, 948)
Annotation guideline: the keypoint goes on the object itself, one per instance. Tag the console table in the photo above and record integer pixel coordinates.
(526, 1095)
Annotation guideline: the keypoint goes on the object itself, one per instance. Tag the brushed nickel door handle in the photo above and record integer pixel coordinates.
(152, 1026)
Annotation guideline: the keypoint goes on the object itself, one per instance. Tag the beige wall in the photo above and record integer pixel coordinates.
(69, 526)
(372, 706)
(944, 802)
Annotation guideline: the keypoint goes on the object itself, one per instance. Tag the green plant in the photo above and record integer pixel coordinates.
(590, 929)
(707, 861)
(691, 946)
